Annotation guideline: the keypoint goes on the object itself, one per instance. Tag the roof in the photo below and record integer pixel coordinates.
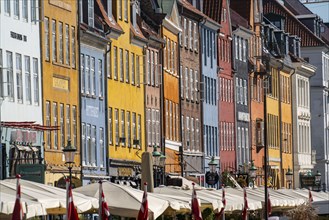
(308, 38)
(193, 9)
(213, 9)
(238, 20)
(298, 8)
(112, 24)
(241, 7)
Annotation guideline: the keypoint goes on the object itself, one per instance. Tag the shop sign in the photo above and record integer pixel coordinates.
(307, 181)
(32, 172)
(23, 136)
(212, 178)
(125, 171)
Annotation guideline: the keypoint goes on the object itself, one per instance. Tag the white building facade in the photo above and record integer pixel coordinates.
(302, 148)
(20, 72)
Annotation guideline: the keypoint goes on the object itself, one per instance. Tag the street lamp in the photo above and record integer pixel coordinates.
(212, 165)
(156, 162)
(289, 175)
(318, 179)
(69, 153)
(253, 173)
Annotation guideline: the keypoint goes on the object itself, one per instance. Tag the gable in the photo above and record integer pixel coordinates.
(174, 16)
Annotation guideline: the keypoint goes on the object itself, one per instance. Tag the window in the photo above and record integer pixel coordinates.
(61, 124)
(55, 114)
(47, 52)
(91, 13)
(148, 127)
(88, 147)
(170, 119)
(87, 69)
(165, 66)
(125, 10)
(68, 122)
(137, 71)
(139, 127)
(153, 132)
(115, 60)
(101, 146)
(48, 136)
(185, 33)
(195, 36)
(127, 64)
(74, 125)
(36, 81)
(156, 69)
(116, 113)
(7, 6)
(83, 144)
(54, 43)
(82, 75)
(28, 80)
(236, 40)
(92, 77)
(191, 84)
(19, 79)
(190, 37)
(128, 129)
(67, 45)
(132, 68)
(245, 92)
(152, 67)
(186, 83)
(120, 9)
(181, 81)
(100, 78)
(121, 64)
(33, 10)
(25, 10)
(16, 8)
(157, 127)
(123, 129)
(93, 146)
(61, 53)
(134, 127)
(73, 46)
(110, 125)
(148, 65)
(244, 50)
(109, 64)
(187, 135)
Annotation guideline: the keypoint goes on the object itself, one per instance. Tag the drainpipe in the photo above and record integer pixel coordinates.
(79, 76)
(202, 23)
(107, 50)
(292, 127)
(280, 119)
(180, 112)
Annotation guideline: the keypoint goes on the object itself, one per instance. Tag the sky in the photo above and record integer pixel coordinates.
(321, 9)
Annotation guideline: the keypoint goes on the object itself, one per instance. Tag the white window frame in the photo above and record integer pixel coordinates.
(54, 40)
(61, 43)
(47, 46)
(102, 148)
(36, 81)
(67, 44)
(100, 78)
(28, 85)
(92, 85)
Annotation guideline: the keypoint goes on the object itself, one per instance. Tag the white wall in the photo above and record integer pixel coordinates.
(14, 111)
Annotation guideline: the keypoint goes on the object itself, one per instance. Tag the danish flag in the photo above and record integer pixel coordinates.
(269, 204)
(72, 213)
(223, 201)
(18, 209)
(143, 213)
(104, 210)
(245, 206)
(195, 205)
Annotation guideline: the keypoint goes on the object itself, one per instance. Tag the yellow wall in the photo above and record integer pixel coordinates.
(122, 95)
(60, 81)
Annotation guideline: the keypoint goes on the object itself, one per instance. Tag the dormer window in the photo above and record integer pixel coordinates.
(91, 13)
(134, 11)
(286, 43)
(292, 44)
(298, 47)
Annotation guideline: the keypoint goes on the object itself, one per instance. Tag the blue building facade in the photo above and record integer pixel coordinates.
(209, 89)
(94, 44)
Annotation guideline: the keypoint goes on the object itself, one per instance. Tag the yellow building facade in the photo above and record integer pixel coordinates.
(60, 82)
(171, 98)
(125, 94)
(279, 124)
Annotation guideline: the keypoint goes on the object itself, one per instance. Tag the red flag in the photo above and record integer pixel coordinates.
(310, 197)
(104, 210)
(224, 203)
(143, 213)
(195, 206)
(245, 206)
(269, 204)
(18, 209)
(72, 213)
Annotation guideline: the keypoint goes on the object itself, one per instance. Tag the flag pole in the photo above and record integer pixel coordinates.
(67, 197)
(100, 200)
